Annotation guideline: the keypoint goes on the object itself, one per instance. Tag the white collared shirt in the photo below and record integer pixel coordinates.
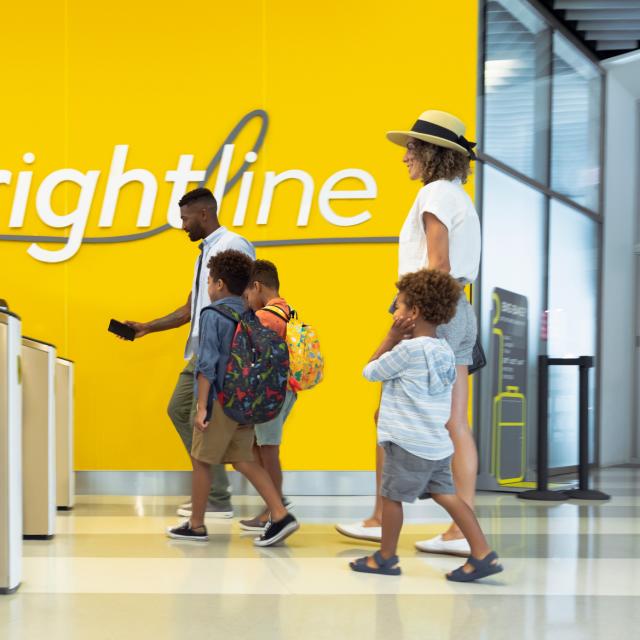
(220, 240)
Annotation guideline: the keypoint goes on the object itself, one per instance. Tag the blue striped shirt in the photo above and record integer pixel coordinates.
(417, 376)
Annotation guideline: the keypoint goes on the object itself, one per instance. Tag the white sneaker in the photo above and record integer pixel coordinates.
(212, 512)
(360, 532)
(448, 547)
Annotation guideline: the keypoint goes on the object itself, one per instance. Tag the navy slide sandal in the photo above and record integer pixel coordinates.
(481, 569)
(385, 567)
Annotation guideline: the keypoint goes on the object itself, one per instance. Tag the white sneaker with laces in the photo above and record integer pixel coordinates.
(358, 531)
(448, 547)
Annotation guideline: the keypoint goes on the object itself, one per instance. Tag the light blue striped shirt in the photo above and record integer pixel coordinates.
(417, 376)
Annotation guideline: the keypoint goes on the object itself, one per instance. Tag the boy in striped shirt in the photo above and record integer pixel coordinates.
(418, 371)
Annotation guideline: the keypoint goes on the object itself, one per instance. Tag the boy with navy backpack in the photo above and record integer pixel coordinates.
(231, 396)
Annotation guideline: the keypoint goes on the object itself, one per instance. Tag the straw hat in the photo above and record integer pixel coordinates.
(439, 128)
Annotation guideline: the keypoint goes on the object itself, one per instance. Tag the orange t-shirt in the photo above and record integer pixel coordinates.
(270, 320)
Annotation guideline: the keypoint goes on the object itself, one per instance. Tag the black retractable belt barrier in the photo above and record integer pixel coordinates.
(542, 491)
(583, 492)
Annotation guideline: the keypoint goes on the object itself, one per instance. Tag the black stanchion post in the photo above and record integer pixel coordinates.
(583, 492)
(542, 491)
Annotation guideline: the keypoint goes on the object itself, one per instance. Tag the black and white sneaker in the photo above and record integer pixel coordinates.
(276, 532)
(185, 532)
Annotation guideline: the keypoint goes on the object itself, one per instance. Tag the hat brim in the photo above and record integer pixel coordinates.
(402, 137)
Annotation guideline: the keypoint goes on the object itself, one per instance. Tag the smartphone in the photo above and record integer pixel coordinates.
(122, 330)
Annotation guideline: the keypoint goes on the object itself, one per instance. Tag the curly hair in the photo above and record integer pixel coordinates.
(435, 293)
(233, 268)
(440, 163)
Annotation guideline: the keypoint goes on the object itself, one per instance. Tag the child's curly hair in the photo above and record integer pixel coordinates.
(435, 293)
(233, 268)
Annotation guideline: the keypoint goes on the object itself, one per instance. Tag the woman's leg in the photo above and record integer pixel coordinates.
(376, 518)
(464, 465)
(370, 526)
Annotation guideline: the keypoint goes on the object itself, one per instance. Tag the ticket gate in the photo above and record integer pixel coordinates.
(65, 479)
(38, 439)
(10, 453)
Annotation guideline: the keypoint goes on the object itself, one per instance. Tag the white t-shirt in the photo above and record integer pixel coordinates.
(448, 201)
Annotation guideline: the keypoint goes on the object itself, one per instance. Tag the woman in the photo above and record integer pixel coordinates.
(442, 231)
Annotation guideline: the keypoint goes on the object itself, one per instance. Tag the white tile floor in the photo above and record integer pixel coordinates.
(571, 571)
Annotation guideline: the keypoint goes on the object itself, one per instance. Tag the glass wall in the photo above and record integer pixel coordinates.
(575, 158)
(541, 124)
(572, 323)
(513, 268)
(516, 81)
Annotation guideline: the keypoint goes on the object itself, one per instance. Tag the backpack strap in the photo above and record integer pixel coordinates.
(226, 311)
(278, 311)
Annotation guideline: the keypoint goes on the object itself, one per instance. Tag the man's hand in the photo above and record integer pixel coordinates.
(141, 328)
(180, 316)
(200, 421)
(400, 329)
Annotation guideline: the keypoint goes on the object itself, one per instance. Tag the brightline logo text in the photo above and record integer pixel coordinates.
(181, 177)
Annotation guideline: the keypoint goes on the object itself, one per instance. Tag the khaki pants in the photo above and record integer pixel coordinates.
(181, 410)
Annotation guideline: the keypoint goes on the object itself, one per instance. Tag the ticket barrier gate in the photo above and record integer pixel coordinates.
(65, 479)
(39, 439)
(10, 453)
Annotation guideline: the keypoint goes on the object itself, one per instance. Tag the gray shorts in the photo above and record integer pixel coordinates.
(460, 333)
(406, 477)
(270, 433)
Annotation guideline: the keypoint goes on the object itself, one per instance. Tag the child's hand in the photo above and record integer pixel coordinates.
(401, 328)
(200, 421)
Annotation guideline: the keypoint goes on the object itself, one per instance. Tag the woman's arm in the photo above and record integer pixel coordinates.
(437, 243)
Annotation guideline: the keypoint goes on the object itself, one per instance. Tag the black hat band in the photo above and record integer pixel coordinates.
(430, 129)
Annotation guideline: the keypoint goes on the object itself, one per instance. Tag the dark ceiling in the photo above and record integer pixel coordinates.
(608, 27)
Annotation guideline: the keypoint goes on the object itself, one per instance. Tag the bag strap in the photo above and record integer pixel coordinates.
(226, 311)
(277, 311)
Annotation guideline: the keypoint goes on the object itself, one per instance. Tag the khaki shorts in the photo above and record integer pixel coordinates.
(223, 441)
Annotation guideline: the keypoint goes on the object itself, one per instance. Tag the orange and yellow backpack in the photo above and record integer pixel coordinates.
(306, 363)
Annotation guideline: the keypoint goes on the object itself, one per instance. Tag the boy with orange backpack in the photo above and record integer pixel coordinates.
(306, 366)
(240, 378)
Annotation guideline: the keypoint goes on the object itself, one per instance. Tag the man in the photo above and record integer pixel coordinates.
(198, 212)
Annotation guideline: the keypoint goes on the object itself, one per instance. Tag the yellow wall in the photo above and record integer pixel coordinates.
(334, 76)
